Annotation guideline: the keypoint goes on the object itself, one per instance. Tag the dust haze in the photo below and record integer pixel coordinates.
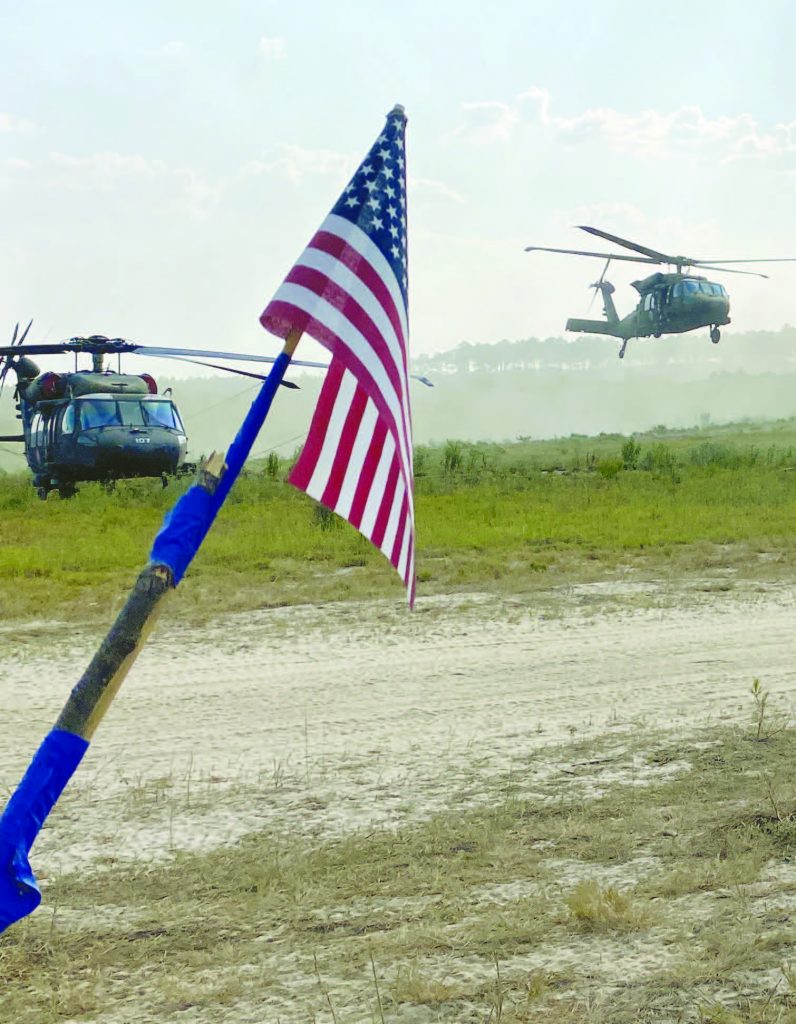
(531, 388)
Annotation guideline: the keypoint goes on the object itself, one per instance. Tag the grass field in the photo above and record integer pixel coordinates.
(513, 517)
(644, 876)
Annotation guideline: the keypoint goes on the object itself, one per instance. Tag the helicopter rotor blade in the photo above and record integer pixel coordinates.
(6, 366)
(774, 259)
(235, 370)
(599, 255)
(39, 350)
(117, 346)
(243, 357)
(15, 333)
(653, 254)
(25, 332)
(726, 270)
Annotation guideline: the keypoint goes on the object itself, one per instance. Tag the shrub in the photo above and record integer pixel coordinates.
(658, 459)
(608, 468)
(325, 518)
(452, 456)
(631, 450)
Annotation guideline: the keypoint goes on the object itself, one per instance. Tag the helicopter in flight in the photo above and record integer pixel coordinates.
(97, 424)
(669, 303)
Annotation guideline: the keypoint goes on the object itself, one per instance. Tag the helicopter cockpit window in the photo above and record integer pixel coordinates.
(98, 413)
(68, 422)
(690, 287)
(131, 415)
(159, 414)
(35, 429)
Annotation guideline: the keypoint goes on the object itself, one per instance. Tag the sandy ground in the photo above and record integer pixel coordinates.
(319, 721)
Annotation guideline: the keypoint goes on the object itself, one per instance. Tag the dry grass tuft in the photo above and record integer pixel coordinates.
(597, 910)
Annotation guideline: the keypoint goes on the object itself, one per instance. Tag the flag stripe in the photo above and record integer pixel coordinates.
(342, 248)
(342, 456)
(368, 477)
(395, 553)
(302, 472)
(358, 356)
(393, 520)
(377, 490)
(331, 440)
(385, 506)
(344, 301)
(363, 444)
(401, 564)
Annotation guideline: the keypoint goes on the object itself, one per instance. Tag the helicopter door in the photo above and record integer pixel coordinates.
(51, 436)
(37, 430)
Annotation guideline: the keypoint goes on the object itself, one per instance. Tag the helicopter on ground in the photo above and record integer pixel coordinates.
(669, 303)
(96, 424)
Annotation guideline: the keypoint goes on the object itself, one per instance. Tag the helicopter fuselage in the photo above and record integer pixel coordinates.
(669, 304)
(96, 425)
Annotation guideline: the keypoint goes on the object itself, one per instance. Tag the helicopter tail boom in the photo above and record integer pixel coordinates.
(594, 327)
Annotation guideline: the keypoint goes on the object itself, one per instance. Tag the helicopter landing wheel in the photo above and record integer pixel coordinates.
(715, 335)
(164, 480)
(42, 492)
(67, 491)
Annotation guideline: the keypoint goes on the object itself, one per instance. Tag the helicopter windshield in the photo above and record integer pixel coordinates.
(692, 287)
(161, 414)
(687, 287)
(104, 412)
(99, 413)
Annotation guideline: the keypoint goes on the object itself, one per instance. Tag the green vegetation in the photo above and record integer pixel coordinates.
(517, 517)
(665, 894)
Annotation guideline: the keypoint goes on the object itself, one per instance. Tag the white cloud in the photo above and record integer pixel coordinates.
(105, 170)
(174, 48)
(487, 121)
(272, 47)
(434, 189)
(620, 215)
(686, 129)
(296, 162)
(111, 172)
(15, 125)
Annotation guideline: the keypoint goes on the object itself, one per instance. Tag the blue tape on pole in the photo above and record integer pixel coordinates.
(51, 768)
(183, 530)
(186, 525)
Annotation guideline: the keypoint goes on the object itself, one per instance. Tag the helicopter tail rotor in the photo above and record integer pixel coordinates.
(6, 361)
(598, 285)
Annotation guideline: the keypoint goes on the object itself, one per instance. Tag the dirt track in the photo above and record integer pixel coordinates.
(323, 720)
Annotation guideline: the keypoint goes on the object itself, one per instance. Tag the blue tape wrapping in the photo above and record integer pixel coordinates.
(183, 530)
(186, 525)
(52, 767)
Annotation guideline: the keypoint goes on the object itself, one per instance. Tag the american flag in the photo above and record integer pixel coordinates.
(348, 290)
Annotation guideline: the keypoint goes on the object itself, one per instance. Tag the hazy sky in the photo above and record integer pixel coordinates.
(162, 163)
